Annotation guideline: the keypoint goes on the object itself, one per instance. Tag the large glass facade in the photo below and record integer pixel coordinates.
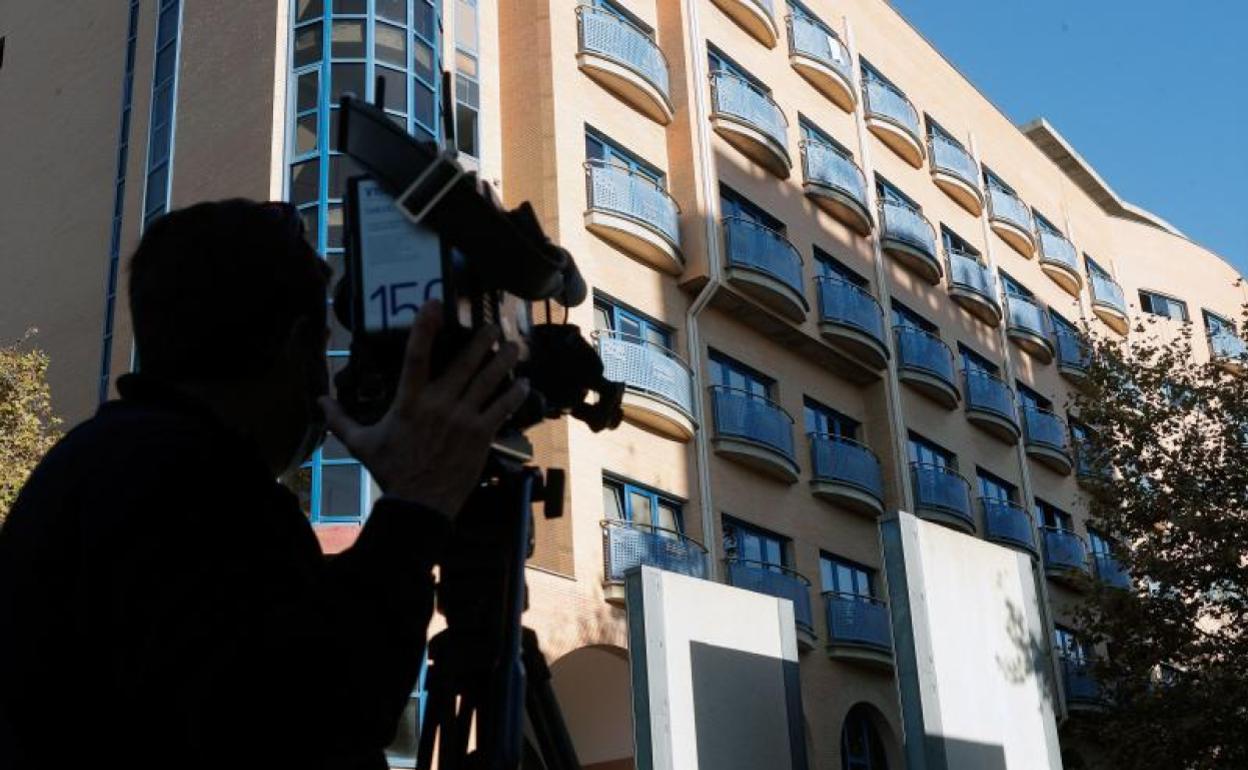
(339, 47)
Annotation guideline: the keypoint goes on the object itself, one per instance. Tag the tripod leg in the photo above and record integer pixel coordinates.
(553, 740)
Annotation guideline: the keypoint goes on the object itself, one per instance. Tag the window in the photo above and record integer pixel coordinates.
(729, 373)
(924, 452)
(629, 324)
(745, 542)
(1044, 224)
(467, 84)
(600, 149)
(1099, 544)
(974, 362)
(812, 133)
(861, 747)
(164, 98)
(1052, 516)
(403, 749)
(623, 14)
(1160, 304)
(644, 507)
(869, 72)
(719, 61)
(1013, 288)
(907, 318)
(825, 420)
(827, 266)
(2, 39)
(890, 193)
(1070, 646)
(955, 244)
(1030, 399)
(736, 206)
(934, 129)
(995, 488)
(1094, 269)
(842, 576)
(1061, 325)
(992, 180)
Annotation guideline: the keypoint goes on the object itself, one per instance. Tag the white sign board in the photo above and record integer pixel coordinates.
(401, 263)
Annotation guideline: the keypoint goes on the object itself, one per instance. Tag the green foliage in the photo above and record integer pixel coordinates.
(28, 428)
(1171, 444)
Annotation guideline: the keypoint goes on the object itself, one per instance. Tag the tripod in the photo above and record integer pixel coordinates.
(486, 665)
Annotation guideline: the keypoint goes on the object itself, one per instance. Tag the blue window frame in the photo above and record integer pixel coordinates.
(1060, 324)
(935, 129)
(974, 362)
(923, 451)
(1099, 544)
(828, 266)
(823, 419)
(1163, 305)
(993, 180)
(812, 133)
(1030, 398)
(1052, 516)
(718, 61)
(609, 316)
(1013, 288)
(730, 373)
(993, 487)
(907, 318)
(1218, 326)
(735, 205)
(623, 14)
(845, 577)
(1070, 645)
(869, 72)
(643, 506)
(755, 544)
(467, 78)
(861, 747)
(956, 244)
(1044, 224)
(164, 109)
(598, 147)
(1094, 268)
(891, 193)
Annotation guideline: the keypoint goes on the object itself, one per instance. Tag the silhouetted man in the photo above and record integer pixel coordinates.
(163, 600)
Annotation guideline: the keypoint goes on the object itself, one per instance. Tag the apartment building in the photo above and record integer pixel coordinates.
(837, 281)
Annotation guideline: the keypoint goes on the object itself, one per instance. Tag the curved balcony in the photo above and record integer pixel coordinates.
(1229, 351)
(908, 237)
(1008, 523)
(859, 629)
(1012, 220)
(1065, 555)
(624, 60)
(780, 582)
(971, 285)
(1083, 691)
(635, 214)
(892, 118)
(754, 431)
(628, 544)
(990, 405)
(956, 172)
(1028, 327)
(658, 384)
(1073, 356)
(748, 119)
(852, 319)
(763, 264)
(823, 60)
(942, 495)
(1060, 261)
(1044, 437)
(1088, 472)
(847, 473)
(1108, 303)
(1110, 572)
(756, 17)
(925, 363)
(836, 185)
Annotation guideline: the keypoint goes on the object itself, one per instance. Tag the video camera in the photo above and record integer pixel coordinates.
(421, 227)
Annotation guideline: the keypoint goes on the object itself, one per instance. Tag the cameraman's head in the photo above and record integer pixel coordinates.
(229, 304)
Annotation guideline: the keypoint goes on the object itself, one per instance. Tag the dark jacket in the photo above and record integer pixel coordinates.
(164, 601)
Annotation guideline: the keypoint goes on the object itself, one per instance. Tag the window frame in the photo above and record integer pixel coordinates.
(783, 544)
(627, 489)
(830, 422)
(828, 564)
(921, 450)
(1148, 301)
(722, 364)
(1051, 516)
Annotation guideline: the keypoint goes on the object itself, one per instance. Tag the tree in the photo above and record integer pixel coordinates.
(28, 428)
(1168, 455)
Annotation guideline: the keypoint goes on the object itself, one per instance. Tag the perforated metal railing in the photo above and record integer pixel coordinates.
(921, 350)
(1026, 315)
(858, 620)
(809, 39)
(1081, 685)
(1110, 572)
(757, 247)
(774, 580)
(1056, 249)
(968, 273)
(1072, 351)
(606, 34)
(1044, 428)
(943, 489)
(824, 165)
(1006, 206)
(1107, 292)
(646, 367)
(952, 158)
(905, 223)
(745, 415)
(1064, 550)
(738, 98)
(625, 192)
(884, 101)
(986, 392)
(845, 461)
(1227, 344)
(843, 303)
(628, 544)
(1006, 521)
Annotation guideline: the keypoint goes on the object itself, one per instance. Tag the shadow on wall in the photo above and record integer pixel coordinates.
(965, 755)
(1029, 658)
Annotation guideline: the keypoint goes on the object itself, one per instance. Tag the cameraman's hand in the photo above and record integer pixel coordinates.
(431, 446)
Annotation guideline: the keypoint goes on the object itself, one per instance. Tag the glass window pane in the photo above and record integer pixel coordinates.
(407, 737)
(310, 217)
(827, 577)
(309, 91)
(157, 188)
(844, 579)
(340, 490)
(466, 25)
(351, 6)
(395, 10)
(305, 134)
(612, 507)
(423, 22)
(602, 319)
(160, 140)
(347, 78)
(391, 44)
(308, 45)
(334, 225)
(396, 88)
(308, 9)
(668, 517)
(639, 508)
(422, 61)
(341, 168)
(305, 182)
(164, 63)
(629, 326)
(466, 64)
(348, 40)
(422, 107)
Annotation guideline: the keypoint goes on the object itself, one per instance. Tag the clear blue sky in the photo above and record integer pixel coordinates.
(1153, 94)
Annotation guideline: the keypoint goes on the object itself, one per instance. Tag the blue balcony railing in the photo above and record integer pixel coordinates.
(756, 247)
(858, 620)
(1006, 206)
(810, 39)
(774, 580)
(1005, 521)
(1027, 317)
(612, 37)
(1080, 683)
(738, 98)
(646, 368)
(923, 351)
(741, 414)
(1106, 292)
(1043, 428)
(1086, 466)
(967, 273)
(824, 165)
(631, 195)
(902, 222)
(1110, 572)
(1064, 550)
(1073, 353)
(887, 103)
(843, 303)
(986, 392)
(845, 461)
(942, 489)
(628, 544)
(952, 158)
(1055, 249)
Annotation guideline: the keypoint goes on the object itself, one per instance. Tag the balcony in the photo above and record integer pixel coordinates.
(1011, 219)
(893, 119)
(1028, 327)
(763, 264)
(1229, 351)
(908, 237)
(754, 431)
(971, 285)
(859, 629)
(624, 60)
(823, 60)
(1044, 437)
(1108, 303)
(627, 544)
(847, 473)
(1073, 356)
(1065, 555)
(942, 495)
(1060, 261)
(1083, 692)
(754, 16)
(659, 384)
(748, 119)
(780, 582)
(836, 185)
(1008, 523)
(1110, 572)
(925, 363)
(956, 172)
(1088, 472)
(990, 405)
(633, 213)
(852, 319)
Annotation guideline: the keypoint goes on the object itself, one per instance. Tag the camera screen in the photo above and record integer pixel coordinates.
(400, 262)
